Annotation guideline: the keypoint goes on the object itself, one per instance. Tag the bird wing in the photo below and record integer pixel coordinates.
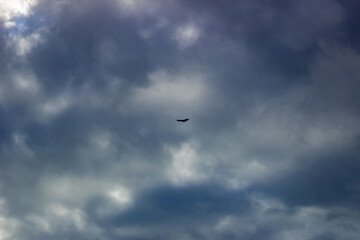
(183, 120)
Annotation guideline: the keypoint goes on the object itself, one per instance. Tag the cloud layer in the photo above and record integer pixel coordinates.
(89, 96)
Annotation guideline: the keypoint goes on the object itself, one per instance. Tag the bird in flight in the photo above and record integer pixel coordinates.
(183, 120)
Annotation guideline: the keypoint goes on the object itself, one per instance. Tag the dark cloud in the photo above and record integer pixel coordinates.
(169, 204)
(330, 180)
(89, 96)
(351, 36)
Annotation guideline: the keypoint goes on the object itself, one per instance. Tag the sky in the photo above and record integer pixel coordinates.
(89, 96)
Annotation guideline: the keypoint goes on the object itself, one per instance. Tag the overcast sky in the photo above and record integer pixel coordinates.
(90, 92)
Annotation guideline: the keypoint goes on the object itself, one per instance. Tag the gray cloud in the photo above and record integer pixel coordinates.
(90, 92)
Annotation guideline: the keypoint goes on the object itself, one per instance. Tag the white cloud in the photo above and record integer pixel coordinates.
(187, 35)
(20, 145)
(172, 93)
(139, 7)
(120, 195)
(289, 223)
(76, 190)
(26, 82)
(21, 86)
(52, 107)
(9, 24)
(68, 215)
(66, 198)
(8, 225)
(57, 218)
(23, 44)
(14, 13)
(186, 166)
(263, 204)
(70, 188)
(13, 8)
(245, 172)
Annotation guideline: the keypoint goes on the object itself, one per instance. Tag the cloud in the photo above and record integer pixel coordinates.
(186, 35)
(18, 21)
(305, 23)
(89, 96)
(173, 93)
(23, 45)
(9, 10)
(8, 225)
(336, 73)
(185, 167)
(139, 7)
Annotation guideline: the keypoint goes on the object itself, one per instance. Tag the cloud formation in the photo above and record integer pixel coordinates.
(89, 96)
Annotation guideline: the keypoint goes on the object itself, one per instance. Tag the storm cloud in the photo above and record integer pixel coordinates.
(89, 96)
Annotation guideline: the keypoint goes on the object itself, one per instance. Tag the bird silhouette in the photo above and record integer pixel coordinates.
(183, 120)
